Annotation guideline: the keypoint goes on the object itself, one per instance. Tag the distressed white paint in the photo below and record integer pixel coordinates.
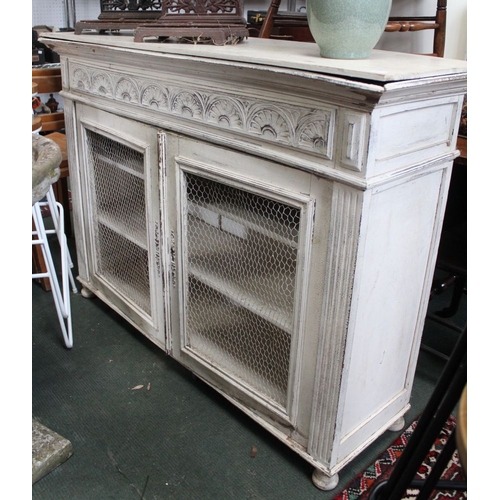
(367, 164)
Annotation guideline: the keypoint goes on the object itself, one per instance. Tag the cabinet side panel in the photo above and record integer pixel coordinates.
(399, 249)
(411, 133)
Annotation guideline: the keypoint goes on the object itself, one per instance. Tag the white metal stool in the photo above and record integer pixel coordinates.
(46, 172)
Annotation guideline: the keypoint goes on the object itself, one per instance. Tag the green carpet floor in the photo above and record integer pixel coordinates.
(178, 440)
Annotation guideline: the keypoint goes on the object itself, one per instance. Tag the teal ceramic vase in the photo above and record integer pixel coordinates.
(347, 29)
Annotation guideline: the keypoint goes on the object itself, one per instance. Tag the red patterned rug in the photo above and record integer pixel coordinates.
(360, 487)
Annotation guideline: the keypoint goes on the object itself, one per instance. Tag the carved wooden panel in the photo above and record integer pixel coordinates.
(353, 140)
(303, 128)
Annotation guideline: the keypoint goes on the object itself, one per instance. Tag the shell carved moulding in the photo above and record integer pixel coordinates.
(290, 125)
(218, 22)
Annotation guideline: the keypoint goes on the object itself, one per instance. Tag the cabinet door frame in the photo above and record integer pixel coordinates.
(145, 140)
(214, 163)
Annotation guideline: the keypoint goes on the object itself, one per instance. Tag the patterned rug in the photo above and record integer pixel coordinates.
(359, 488)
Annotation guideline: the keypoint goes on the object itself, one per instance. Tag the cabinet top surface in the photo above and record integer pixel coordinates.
(382, 66)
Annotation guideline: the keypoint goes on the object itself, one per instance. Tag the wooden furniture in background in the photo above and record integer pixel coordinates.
(436, 22)
(38, 263)
(36, 121)
(293, 25)
(196, 20)
(285, 25)
(48, 80)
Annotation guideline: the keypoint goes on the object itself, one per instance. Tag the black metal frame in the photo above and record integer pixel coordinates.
(445, 397)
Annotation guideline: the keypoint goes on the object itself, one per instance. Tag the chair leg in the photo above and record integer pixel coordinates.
(62, 196)
(268, 23)
(59, 225)
(60, 294)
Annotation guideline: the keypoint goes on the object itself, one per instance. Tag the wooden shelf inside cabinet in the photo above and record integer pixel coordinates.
(244, 372)
(126, 271)
(120, 205)
(259, 291)
(261, 223)
(231, 339)
(279, 318)
(110, 163)
(127, 289)
(137, 237)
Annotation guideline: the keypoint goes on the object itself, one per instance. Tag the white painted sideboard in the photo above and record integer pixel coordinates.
(268, 217)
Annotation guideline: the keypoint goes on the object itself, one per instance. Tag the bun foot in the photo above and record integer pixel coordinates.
(86, 293)
(324, 481)
(398, 425)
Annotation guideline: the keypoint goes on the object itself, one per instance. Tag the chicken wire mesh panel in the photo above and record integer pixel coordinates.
(120, 217)
(124, 265)
(242, 262)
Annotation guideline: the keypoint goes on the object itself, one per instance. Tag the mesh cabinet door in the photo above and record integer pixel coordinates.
(240, 278)
(121, 162)
(241, 263)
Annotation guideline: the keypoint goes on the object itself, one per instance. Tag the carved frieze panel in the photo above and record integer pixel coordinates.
(287, 124)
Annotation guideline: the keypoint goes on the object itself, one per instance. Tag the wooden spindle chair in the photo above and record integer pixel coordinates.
(293, 25)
